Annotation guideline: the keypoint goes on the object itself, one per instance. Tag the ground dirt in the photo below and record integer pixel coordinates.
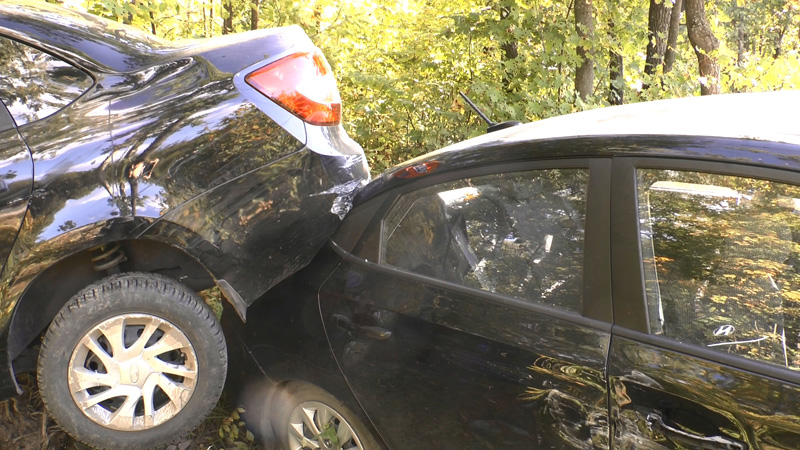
(25, 426)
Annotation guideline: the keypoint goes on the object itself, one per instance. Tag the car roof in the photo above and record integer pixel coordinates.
(80, 37)
(767, 116)
(708, 127)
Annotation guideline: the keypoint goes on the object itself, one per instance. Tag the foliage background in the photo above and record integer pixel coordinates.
(401, 63)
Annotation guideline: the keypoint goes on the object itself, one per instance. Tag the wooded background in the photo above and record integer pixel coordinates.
(401, 63)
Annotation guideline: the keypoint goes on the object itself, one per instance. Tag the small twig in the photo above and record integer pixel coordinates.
(44, 425)
(45, 436)
(7, 410)
(19, 438)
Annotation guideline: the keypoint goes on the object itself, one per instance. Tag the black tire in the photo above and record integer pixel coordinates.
(181, 331)
(293, 395)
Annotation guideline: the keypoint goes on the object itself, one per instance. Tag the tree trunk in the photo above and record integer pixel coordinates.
(779, 43)
(211, 20)
(705, 45)
(152, 23)
(227, 22)
(584, 24)
(254, 15)
(616, 93)
(672, 40)
(508, 46)
(657, 30)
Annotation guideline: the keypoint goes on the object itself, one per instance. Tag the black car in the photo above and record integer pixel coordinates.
(623, 278)
(135, 172)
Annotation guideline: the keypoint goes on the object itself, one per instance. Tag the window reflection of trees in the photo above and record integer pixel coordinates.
(518, 234)
(721, 262)
(34, 85)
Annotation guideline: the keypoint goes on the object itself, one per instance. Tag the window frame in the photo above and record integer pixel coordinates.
(65, 60)
(628, 282)
(596, 244)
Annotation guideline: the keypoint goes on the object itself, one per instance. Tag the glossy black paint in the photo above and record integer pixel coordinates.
(700, 397)
(284, 340)
(485, 372)
(434, 364)
(167, 155)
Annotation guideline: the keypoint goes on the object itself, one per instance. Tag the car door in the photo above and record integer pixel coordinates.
(36, 87)
(465, 318)
(16, 172)
(706, 351)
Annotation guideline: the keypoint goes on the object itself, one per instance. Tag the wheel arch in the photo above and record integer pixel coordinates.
(54, 286)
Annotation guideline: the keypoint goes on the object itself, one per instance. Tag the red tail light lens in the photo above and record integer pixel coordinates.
(303, 84)
(417, 171)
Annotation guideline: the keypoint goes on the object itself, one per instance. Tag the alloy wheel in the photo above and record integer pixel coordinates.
(315, 425)
(132, 372)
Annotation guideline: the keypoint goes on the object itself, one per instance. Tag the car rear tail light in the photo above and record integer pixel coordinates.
(303, 84)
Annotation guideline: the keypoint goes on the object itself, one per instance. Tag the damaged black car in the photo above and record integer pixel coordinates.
(621, 278)
(135, 172)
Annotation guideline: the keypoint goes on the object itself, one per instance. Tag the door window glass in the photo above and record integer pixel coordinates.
(517, 234)
(721, 256)
(34, 84)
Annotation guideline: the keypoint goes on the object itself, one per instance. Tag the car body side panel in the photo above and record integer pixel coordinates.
(68, 151)
(16, 178)
(241, 218)
(698, 397)
(16, 175)
(285, 339)
(491, 374)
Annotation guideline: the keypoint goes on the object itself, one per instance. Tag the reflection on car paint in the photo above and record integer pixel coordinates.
(746, 401)
(454, 351)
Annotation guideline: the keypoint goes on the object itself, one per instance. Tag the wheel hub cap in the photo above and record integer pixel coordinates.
(132, 372)
(315, 425)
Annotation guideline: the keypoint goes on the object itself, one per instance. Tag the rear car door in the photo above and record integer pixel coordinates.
(34, 87)
(16, 166)
(16, 171)
(465, 319)
(706, 347)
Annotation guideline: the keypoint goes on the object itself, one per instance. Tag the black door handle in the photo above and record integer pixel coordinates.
(656, 423)
(367, 331)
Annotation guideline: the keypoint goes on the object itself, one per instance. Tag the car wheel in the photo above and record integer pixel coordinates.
(307, 417)
(134, 361)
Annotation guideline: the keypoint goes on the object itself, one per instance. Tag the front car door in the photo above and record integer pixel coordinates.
(706, 347)
(466, 319)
